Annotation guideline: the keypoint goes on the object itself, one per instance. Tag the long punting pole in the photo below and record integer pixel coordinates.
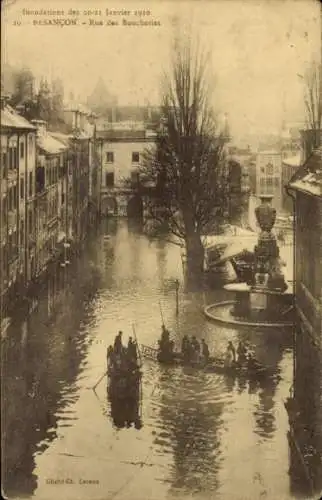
(161, 314)
(100, 380)
(136, 341)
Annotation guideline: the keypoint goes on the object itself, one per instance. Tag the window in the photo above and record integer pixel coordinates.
(30, 184)
(22, 150)
(135, 157)
(15, 197)
(109, 179)
(269, 169)
(13, 158)
(109, 157)
(22, 231)
(30, 221)
(10, 202)
(4, 165)
(22, 187)
(269, 181)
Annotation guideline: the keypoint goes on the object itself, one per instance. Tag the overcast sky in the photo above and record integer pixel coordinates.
(258, 50)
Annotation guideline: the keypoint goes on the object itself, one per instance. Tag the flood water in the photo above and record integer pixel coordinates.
(204, 435)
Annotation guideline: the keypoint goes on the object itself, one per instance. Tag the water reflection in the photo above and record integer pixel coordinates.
(189, 428)
(43, 359)
(305, 416)
(127, 411)
(191, 418)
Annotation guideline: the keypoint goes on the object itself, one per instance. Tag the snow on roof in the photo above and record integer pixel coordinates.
(309, 177)
(11, 119)
(64, 138)
(269, 152)
(50, 145)
(293, 161)
(76, 106)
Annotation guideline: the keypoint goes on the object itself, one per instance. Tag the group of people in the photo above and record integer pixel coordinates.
(166, 346)
(122, 357)
(233, 357)
(194, 351)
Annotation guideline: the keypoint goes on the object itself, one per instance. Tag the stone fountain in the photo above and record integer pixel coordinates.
(267, 300)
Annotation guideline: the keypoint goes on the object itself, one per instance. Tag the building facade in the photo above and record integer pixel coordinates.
(290, 166)
(239, 186)
(121, 152)
(269, 176)
(304, 407)
(50, 197)
(18, 140)
(306, 186)
(84, 169)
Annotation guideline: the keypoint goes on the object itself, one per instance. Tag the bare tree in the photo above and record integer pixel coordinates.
(187, 164)
(313, 99)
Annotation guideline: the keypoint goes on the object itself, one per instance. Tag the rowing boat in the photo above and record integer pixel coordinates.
(214, 365)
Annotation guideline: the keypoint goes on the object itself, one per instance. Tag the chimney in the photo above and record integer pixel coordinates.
(41, 126)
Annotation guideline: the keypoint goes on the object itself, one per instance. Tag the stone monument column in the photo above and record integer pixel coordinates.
(267, 269)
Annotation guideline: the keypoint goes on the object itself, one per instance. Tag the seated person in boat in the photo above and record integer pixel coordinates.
(241, 353)
(185, 348)
(230, 357)
(205, 351)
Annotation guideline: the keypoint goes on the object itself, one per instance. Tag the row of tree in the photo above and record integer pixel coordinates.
(47, 103)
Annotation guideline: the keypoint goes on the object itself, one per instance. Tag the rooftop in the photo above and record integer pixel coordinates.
(11, 119)
(269, 152)
(80, 108)
(308, 178)
(124, 135)
(50, 145)
(293, 161)
(64, 138)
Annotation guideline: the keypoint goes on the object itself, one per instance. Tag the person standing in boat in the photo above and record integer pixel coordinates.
(118, 346)
(109, 357)
(230, 357)
(205, 351)
(118, 351)
(185, 346)
(196, 349)
(165, 335)
(132, 353)
(241, 353)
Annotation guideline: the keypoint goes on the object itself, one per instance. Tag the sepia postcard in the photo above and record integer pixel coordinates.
(161, 249)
